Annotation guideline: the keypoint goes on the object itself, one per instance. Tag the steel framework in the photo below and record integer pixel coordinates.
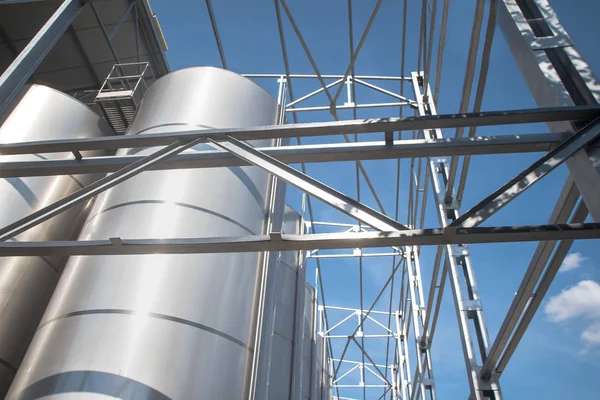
(401, 320)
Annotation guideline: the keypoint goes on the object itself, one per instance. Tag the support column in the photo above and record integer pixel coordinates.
(557, 75)
(17, 74)
(402, 331)
(424, 376)
(468, 306)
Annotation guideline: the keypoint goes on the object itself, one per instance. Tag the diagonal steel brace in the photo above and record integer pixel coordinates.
(311, 186)
(93, 189)
(516, 186)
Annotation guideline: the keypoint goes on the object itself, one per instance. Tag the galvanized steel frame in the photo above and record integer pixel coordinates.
(467, 302)
(399, 381)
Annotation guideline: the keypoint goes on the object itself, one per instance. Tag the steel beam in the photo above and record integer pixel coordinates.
(556, 74)
(36, 218)
(288, 242)
(313, 93)
(384, 91)
(363, 351)
(115, 30)
(19, 71)
(329, 76)
(479, 91)
(352, 106)
(528, 177)
(306, 50)
(356, 51)
(538, 296)
(469, 78)
(585, 169)
(332, 109)
(487, 118)
(311, 186)
(213, 23)
(112, 49)
(441, 47)
(565, 205)
(295, 154)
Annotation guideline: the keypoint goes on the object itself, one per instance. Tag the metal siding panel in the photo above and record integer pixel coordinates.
(308, 338)
(276, 362)
(281, 364)
(284, 317)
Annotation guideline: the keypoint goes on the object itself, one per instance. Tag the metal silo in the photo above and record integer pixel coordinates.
(281, 351)
(163, 326)
(27, 282)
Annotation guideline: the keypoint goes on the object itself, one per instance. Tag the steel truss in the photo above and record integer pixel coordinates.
(413, 311)
(434, 166)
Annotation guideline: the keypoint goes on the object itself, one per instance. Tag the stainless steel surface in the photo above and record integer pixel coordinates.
(27, 282)
(163, 326)
(305, 374)
(286, 310)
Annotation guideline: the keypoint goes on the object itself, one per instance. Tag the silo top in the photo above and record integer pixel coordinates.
(200, 97)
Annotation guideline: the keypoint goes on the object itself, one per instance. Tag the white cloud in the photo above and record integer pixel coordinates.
(591, 334)
(572, 261)
(581, 300)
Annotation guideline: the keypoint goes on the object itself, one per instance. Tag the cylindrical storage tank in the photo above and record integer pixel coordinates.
(283, 312)
(26, 283)
(163, 326)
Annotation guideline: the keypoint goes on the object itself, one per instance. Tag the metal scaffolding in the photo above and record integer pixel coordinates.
(401, 321)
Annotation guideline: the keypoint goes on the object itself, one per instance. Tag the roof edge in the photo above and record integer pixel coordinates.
(148, 16)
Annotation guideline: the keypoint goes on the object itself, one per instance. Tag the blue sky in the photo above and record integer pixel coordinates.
(557, 357)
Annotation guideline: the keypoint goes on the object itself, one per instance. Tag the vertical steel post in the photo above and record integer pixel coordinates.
(21, 69)
(403, 356)
(259, 373)
(469, 310)
(267, 293)
(298, 370)
(424, 367)
(350, 101)
(394, 383)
